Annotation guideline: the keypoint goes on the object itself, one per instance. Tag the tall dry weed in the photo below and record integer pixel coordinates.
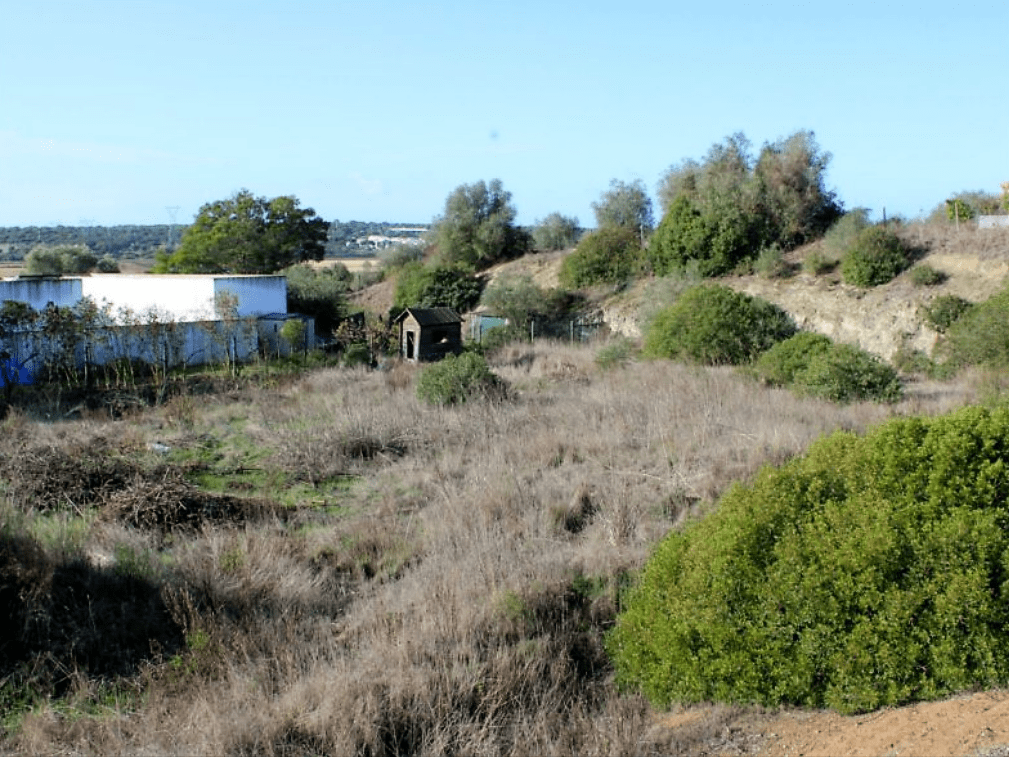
(499, 539)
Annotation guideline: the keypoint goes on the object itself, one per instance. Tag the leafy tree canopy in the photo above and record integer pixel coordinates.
(728, 207)
(56, 261)
(555, 232)
(626, 206)
(478, 227)
(418, 285)
(248, 234)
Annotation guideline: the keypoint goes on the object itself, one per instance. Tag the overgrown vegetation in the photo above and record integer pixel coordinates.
(610, 255)
(459, 378)
(420, 285)
(331, 544)
(723, 211)
(867, 573)
(976, 335)
(320, 293)
(812, 364)
(714, 325)
(876, 256)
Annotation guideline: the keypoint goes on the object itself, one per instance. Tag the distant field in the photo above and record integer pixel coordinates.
(354, 265)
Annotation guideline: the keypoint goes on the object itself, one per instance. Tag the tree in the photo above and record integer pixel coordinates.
(728, 207)
(555, 232)
(56, 261)
(321, 294)
(478, 227)
(418, 285)
(247, 234)
(625, 206)
(791, 185)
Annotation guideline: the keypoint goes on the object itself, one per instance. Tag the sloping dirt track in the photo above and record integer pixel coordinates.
(972, 725)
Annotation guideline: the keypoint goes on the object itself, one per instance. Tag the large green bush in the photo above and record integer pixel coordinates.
(458, 378)
(870, 572)
(608, 255)
(979, 336)
(714, 325)
(814, 365)
(848, 374)
(876, 257)
(419, 285)
(782, 362)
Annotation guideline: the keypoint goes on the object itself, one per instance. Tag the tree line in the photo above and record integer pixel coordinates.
(129, 241)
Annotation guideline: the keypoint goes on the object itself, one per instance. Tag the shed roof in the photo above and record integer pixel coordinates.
(431, 316)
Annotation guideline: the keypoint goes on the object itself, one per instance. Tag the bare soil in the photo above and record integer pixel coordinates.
(971, 725)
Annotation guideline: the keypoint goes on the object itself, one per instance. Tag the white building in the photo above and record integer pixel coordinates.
(165, 319)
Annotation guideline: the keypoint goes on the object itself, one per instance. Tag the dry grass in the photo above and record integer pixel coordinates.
(968, 239)
(455, 602)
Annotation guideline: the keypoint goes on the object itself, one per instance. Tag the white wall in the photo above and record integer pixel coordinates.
(184, 298)
(40, 292)
(257, 295)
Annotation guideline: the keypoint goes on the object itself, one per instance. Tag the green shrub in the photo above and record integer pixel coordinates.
(979, 336)
(418, 285)
(771, 263)
(908, 360)
(944, 310)
(499, 336)
(357, 353)
(457, 379)
(782, 362)
(518, 298)
(877, 257)
(817, 263)
(607, 256)
(957, 209)
(716, 241)
(847, 374)
(869, 572)
(843, 234)
(318, 292)
(925, 275)
(714, 325)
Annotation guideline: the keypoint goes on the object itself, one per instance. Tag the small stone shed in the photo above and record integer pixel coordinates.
(429, 333)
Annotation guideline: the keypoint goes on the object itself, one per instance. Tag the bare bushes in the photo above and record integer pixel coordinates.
(164, 501)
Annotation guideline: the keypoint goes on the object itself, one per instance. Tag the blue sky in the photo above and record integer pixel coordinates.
(113, 110)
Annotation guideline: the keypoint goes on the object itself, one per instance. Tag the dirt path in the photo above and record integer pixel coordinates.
(974, 725)
(967, 725)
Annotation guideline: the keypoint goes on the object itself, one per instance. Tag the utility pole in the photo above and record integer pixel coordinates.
(172, 212)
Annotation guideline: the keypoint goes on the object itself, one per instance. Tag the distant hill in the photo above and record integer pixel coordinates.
(142, 241)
